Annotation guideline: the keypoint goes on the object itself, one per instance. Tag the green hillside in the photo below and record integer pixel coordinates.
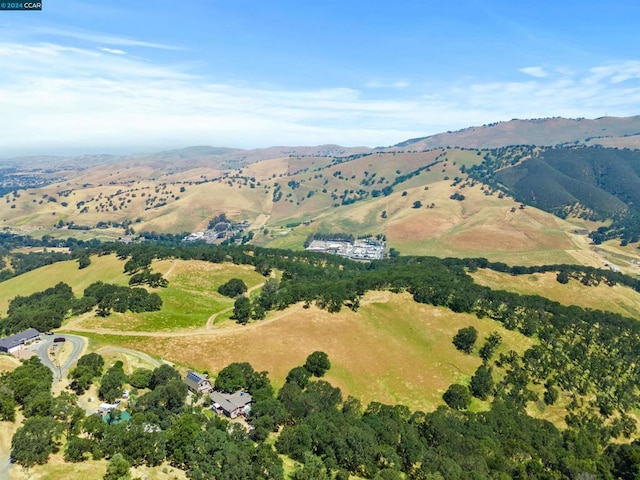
(106, 268)
(393, 331)
(592, 183)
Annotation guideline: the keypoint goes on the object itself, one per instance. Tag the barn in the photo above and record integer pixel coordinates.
(16, 342)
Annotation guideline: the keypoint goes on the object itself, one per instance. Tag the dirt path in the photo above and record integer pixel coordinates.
(75, 321)
(171, 269)
(135, 353)
(227, 330)
(213, 317)
(260, 221)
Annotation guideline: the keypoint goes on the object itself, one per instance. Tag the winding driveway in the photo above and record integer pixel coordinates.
(60, 371)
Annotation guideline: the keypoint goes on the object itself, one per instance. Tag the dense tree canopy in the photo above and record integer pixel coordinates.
(317, 364)
(111, 386)
(88, 368)
(465, 339)
(35, 441)
(457, 396)
(242, 310)
(233, 288)
(42, 310)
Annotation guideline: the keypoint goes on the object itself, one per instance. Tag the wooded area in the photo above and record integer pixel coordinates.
(585, 357)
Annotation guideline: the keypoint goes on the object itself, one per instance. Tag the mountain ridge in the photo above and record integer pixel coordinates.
(551, 131)
(444, 201)
(542, 131)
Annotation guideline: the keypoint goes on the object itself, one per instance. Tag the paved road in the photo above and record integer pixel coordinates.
(42, 350)
(60, 371)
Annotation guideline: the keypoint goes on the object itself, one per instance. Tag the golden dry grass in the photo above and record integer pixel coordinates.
(480, 225)
(7, 430)
(265, 169)
(618, 299)
(204, 201)
(392, 350)
(123, 194)
(8, 363)
(58, 469)
(106, 268)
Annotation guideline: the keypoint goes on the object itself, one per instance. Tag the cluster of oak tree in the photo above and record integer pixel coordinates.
(47, 309)
(328, 435)
(584, 358)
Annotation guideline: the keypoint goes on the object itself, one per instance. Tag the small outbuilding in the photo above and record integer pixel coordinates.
(198, 383)
(105, 408)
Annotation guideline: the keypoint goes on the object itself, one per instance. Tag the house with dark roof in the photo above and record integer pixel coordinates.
(231, 404)
(16, 342)
(197, 382)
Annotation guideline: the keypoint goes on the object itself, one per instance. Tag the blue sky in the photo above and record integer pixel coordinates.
(89, 76)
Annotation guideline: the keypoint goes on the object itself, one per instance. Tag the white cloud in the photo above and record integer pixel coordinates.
(114, 51)
(399, 84)
(100, 38)
(618, 72)
(537, 72)
(91, 99)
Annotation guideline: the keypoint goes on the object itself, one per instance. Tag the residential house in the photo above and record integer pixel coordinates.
(231, 404)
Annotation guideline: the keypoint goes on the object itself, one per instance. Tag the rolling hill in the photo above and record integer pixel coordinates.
(592, 183)
(607, 131)
(392, 349)
(426, 196)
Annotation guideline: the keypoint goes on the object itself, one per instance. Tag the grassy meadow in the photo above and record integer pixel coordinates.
(618, 299)
(106, 268)
(392, 350)
(188, 302)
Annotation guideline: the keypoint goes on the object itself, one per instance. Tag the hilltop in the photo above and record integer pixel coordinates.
(606, 131)
(434, 195)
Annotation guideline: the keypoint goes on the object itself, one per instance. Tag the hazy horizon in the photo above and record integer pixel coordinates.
(84, 77)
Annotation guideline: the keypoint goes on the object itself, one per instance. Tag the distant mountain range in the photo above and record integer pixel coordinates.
(606, 131)
(623, 132)
(434, 195)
